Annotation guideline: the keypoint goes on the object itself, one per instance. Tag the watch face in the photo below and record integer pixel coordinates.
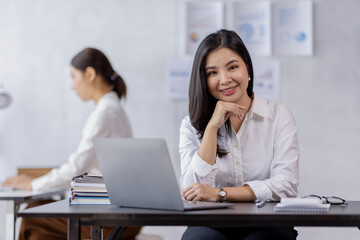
(222, 193)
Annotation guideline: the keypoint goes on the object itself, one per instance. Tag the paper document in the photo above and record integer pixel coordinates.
(253, 24)
(301, 205)
(267, 78)
(177, 78)
(202, 18)
(293, 28)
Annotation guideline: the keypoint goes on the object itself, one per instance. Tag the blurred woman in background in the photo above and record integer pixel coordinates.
(93, 79)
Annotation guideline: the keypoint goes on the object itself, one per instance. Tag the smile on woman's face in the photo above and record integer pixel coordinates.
(227, 75)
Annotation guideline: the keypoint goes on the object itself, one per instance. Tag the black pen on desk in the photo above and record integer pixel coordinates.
(260, 204)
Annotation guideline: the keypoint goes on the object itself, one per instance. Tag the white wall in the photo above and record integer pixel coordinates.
(43, 125)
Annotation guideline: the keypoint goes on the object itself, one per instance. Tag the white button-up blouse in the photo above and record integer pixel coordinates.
(107, 120)
(263, 154)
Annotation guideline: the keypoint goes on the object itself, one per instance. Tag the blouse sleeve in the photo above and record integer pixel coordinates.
(284, 168)
(193, 167)
(84, 159)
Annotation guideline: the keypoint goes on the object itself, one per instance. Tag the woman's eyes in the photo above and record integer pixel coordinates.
(214, 72)
(232, 67)
(211, 73)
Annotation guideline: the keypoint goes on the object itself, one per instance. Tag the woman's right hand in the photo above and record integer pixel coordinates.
(22, 182)
(223, 110)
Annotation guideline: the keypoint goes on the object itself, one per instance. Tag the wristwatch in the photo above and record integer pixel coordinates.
(222, 195)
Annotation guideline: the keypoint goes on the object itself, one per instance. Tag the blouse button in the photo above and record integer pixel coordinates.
(237, 163)
(238, 182)
(235, 145)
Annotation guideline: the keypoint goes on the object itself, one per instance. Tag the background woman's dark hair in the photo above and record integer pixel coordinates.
(201, 102)
(91, 57)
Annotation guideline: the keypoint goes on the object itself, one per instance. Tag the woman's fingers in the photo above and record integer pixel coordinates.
(240, 114)
(186, 190)
(21, 181)
(222, 112)
(236, 111)
(200, 192)
(6, 183)
(191, 197)
(233, 109)
(225, 107)
(190, 193)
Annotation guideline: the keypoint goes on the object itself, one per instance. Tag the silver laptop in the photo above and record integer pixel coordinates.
(138, 173)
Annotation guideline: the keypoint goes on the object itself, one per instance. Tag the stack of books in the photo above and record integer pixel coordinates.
(301, 205)
(88, 189)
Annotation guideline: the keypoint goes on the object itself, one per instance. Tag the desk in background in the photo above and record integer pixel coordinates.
(241, 215)
(15, 198)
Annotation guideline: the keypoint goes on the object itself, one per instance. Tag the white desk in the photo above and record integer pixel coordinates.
(15, 198)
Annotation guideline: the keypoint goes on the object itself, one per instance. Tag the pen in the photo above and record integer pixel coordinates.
(260, 204)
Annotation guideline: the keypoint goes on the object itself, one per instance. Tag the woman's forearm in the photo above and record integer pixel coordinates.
(208, 146)
(240, 194)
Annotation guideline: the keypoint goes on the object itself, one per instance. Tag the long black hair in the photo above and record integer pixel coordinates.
(91, 57)
(201, 102)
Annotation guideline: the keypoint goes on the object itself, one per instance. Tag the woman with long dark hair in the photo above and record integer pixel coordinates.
(235, 145)
(93, 79)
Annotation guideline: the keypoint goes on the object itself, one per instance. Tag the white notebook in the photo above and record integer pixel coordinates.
(301, 205)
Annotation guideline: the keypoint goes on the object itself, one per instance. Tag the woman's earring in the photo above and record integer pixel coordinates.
(249, 78)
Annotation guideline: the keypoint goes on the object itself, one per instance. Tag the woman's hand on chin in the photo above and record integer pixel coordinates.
(223, 111)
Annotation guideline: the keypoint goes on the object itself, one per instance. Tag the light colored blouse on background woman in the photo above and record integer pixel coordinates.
(263, 154)
(107, 120)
